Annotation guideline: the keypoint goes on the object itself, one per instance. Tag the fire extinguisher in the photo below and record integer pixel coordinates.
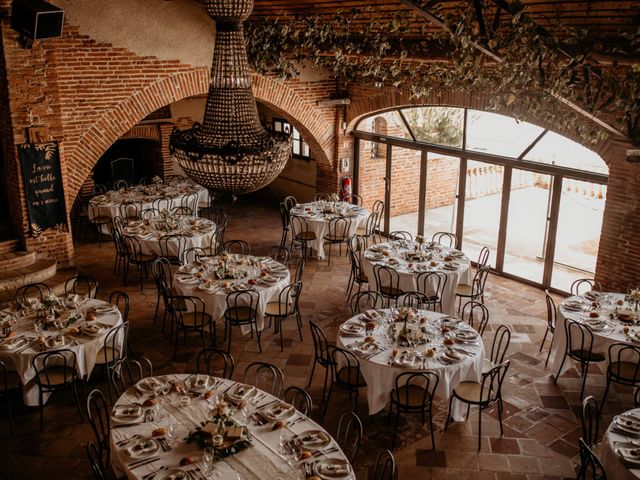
(345, 188)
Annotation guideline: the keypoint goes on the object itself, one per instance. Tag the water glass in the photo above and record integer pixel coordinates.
(247, 410)
(283, 440)
(208, 459)
(171, 434)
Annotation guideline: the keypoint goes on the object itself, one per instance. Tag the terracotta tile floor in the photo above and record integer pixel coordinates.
(541, 426)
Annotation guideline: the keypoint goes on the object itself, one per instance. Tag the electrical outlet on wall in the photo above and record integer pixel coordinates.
(344, 164)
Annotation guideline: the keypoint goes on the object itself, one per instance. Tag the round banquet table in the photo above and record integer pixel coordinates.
(607, 328)
(319, 214)
(85, 344)
(202, 279)
(620, 437)
(261, 460)
(108, 205)
(197, 232)
(402, 256)
(382, 364)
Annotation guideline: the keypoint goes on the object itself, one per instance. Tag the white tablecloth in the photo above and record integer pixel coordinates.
(85, 348)
(380, 375)
(613, 333)
(612, 463)
(463, 275)
(150, 239)
(260, 461)
(216, 301)
(108, 205)
(319, 222)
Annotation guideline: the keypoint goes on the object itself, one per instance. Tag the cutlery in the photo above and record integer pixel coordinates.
(142, 462)
(325, 452)
(29, 345)
(124, 441)
(153, 474)
(122, 425)
(267, 404)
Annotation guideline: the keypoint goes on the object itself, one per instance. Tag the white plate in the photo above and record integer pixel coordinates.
(331, 468)
(187, 279)
(466, 335)
(200, 383)
(627, 423)
(127, 413)
(279, 411)
(352, 328)
(13, 343)
(173, 474)
(408, 359)
(54, 342)
(366, 348)
(189, 269)
(313, 439)
(92, 329)
(152, 384)
(242, 392)
(144, 447)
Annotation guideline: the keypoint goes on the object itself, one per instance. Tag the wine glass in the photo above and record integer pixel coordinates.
(247, 410)
(208, 459)
(283, 442)
(171, 434)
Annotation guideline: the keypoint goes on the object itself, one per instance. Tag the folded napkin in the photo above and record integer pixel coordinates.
(142, 447)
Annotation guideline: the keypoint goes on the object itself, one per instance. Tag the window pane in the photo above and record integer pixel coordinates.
(499, 134)
(277, 125)
(296, 147)
(441, 195)
(439, 125)
(305, 149)
(405, 189)
(554, 149)
(578, 236)
(524, 254)
(371, 185)
(296, 133)
(483, 200)
(387, 123)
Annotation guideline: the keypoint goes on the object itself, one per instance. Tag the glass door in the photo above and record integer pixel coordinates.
(405, 188)
(441, 194)
(578, 233)
(527, 224)
(372, 167)
(483, 199)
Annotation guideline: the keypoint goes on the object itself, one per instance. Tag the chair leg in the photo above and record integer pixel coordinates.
(548, 353)
(606, 391)
(313, 369)
(41, 404)
(480, 427)
(584, 368)
(500, 415)
(6, 395)
(433, 437)
(395, 429)
(446, 424)
(279, 323)
(560, 369)
(299, 320)
(544, 339)
(75, 392)
(258, 334)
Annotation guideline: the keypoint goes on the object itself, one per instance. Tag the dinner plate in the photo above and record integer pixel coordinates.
(127, 413)
(596, 325)
(373, 315)
(208, 288)
(189, 269)
(466, 335)
(279, 411)
(313, 439)
(452, 354)
(450, 321)
(152, 384)
(13, 343)
(269, 279)
(92, 329)
(242, 392)
(104, 309)
(58, 341)
(173, 474)
(408, 359)
(200, 383)
(352, 328)
(143, 447)
(629, 452)
(366, 348)
(187, 279)
(627, 423)
(330, 468)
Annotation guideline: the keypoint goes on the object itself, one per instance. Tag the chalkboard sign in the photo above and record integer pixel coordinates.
(43, 186)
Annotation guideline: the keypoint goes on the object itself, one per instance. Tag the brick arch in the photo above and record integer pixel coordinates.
(387, 100)
(120, 119)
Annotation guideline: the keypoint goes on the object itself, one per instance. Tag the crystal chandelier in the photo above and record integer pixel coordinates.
(230, 151)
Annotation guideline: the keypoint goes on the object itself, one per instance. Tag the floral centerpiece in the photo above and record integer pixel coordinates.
(225, 271)
(407, 338)
(222, 432)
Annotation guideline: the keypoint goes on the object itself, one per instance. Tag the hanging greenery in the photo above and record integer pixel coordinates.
(536, 72)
